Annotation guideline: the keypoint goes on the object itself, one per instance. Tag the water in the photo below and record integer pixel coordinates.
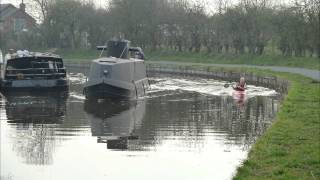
(184, 129)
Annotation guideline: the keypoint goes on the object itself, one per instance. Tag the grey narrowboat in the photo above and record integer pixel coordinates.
(117, 75)
(29, 71)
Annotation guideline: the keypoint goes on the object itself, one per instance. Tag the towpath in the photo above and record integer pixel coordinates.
(314, 74)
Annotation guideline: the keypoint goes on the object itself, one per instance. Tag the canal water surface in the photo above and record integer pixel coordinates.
(185, 128)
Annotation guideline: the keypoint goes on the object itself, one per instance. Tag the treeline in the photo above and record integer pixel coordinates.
(178, 25)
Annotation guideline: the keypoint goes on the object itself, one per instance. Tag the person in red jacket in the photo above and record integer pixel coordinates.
(241, 85)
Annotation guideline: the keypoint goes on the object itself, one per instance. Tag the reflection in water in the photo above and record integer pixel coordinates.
(34, 119)
(197, 117)
(177, 132)
(239, 98)
(26, 109)
(114, 122)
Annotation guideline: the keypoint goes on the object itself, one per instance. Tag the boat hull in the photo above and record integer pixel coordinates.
(106, 91)
(7, 86)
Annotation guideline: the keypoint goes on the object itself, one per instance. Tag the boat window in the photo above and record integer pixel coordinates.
(18, 64)
(9, 67)
(35, 63)
(107, 61)
(35, 67)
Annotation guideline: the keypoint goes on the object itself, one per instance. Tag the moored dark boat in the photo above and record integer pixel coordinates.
(28, 72)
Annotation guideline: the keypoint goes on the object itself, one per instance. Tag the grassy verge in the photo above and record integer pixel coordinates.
(290, 149)
(275, 60)
(78, 54)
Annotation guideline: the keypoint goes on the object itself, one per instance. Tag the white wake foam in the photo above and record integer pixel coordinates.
(205, 86)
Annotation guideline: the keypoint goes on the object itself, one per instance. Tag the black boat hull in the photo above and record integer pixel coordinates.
(106, 91)
(36, 90)
(61, 91)
(37, 85)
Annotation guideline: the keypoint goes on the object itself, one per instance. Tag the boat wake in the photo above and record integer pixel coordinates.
(77, 78)
(77, 96)
(204, 86)
(170, 86)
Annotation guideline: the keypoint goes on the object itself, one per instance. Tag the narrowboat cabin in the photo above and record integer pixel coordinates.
(117, 75)
(29, 71)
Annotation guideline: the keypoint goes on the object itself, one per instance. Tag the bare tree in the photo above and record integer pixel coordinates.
(180, 25)
(43, 6)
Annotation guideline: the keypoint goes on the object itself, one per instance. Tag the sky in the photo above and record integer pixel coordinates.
(102, 3)
(17, 2)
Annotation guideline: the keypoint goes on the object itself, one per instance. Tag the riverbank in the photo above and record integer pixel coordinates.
(248, 59)
(314, 74)
(173, 56)
(290, 149)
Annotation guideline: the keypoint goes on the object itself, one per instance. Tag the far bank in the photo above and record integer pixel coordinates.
(173, 56)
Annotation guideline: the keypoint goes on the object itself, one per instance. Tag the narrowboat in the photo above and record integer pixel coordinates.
(29, 71)
(117, 75)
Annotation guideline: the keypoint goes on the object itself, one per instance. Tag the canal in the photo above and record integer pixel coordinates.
(185, 128)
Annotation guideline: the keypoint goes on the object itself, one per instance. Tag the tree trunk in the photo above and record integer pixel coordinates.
(226, 48)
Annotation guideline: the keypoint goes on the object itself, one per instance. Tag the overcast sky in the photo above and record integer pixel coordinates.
(102, 3)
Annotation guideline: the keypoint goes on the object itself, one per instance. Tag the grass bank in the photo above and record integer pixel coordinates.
(290, 149)
(78, 54)
(274, 60)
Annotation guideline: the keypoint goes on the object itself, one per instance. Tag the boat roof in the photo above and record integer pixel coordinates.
(33, 54)
(113, 60)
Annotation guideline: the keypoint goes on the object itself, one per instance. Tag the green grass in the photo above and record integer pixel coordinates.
(78, 54)
(290, 149)
(275, 60)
